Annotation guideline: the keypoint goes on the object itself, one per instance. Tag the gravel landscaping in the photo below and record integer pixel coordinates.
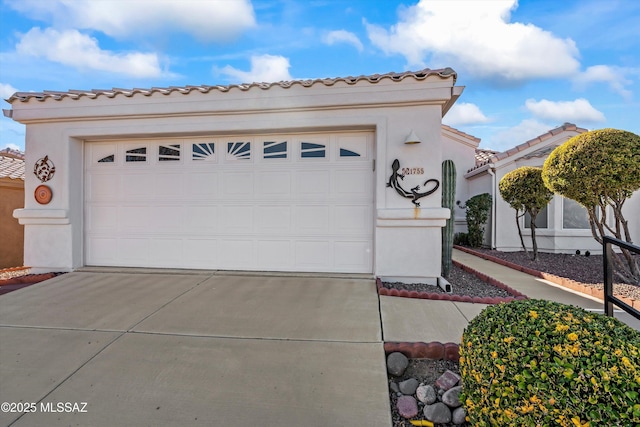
(587, 270)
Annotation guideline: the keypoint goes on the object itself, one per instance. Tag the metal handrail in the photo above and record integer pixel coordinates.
(609, 299)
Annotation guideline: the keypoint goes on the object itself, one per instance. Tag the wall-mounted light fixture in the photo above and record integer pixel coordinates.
(412, 138)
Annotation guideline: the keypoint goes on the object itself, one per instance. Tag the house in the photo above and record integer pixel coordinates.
(563, 226)
(11, 198)
(320, 175)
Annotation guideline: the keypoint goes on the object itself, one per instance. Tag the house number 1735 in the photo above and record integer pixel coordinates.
(412, 171)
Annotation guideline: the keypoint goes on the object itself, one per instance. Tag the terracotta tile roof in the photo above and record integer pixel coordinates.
(185, 90)
(11, 167)
(483, 155)
(530, 143)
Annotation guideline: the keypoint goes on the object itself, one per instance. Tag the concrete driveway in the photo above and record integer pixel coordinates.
(193, 348)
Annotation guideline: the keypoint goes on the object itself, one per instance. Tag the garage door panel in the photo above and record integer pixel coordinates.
(238, 254)
(275, 255)
(168, 186)
(275, 202)
(350, 184)
(312, 219)
(237, 219)
(273, 219)
(135, 218)
(166, 218)
(312, 184)
(352, 256)
(273, 183)
(103, 218)
(136, 186)
(202, 184)
(238, 185)
(201, 253)
(203, 219)
(102, 186)
(103, 250)
(313, 255)
(166, 251)
(133, 251)
(353, 219)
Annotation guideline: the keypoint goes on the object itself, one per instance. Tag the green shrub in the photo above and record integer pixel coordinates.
(541, 363)
(461, 239)
(477, 212)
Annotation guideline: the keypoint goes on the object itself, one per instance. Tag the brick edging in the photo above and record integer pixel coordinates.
(434, 350)
(457, 298)
(558, 280)
(28, 279)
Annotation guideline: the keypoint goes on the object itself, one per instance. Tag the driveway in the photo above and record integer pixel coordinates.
(123, 348)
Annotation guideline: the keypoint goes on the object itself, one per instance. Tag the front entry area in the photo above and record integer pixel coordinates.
(275, 202)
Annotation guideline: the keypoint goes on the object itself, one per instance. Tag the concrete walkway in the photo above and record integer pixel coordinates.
(415, 320)
(191, 348)
(194, 350)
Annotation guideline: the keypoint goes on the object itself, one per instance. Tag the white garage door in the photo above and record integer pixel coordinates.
(299, 202)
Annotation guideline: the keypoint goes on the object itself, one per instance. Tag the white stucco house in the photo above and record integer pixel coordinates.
(563, 226)
(301, 176)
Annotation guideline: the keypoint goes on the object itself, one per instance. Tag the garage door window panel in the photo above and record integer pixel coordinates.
(136, 155)
(169, 153)
(275, 150)
(204, 151)
(238, 151)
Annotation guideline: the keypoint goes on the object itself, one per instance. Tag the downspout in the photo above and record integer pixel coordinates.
(493, 206)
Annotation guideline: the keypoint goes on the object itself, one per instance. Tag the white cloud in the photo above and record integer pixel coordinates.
(264, 68)
(12, 134)
(343, 36)
(613, 76)
(518, 134)
(464, 113)
(206, 20)
(576, 111)
(6, 90)
(80, 51)
(476, 37)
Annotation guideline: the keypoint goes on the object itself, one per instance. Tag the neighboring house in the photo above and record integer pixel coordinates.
(290, 176)
(563, 226)
(460, 147)
(11, 198)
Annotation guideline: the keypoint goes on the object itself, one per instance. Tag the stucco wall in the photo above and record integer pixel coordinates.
(404, 235)
(12, 246)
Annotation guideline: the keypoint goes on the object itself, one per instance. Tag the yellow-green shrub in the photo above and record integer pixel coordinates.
(540, 363)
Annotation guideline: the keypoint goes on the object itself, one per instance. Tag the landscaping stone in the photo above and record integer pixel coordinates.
(397, 363)
(409, 386)
(407, 406)
(394, 387)
(437, 413)
(452, 397)
(426, 394)
(458, 416)
(448, 380)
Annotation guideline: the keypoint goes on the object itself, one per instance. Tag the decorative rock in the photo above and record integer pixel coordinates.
(458, 416)
(452, 397)
(409, 386)
(447, 380)
(439, 413)
(397, 363)
(426, 394)
(407, 406)
(394, 387)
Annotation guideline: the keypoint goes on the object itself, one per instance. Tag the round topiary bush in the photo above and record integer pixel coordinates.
(540, 363)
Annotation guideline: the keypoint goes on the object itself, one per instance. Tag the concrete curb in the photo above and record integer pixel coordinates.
(560, 281)
(434, 350)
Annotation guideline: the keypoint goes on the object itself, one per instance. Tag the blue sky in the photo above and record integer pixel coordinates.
(528, 66)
